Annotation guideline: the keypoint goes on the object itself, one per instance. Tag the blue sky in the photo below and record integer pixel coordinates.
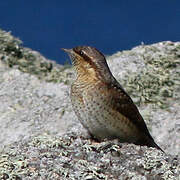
(110, 26)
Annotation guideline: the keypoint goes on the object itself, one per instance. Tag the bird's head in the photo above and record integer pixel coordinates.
(89, 63)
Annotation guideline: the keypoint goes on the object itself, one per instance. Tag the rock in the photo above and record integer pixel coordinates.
(41, 137)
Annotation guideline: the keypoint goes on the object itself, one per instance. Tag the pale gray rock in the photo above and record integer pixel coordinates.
(41, 137)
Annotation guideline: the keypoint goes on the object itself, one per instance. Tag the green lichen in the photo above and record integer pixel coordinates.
(14, 54)
(72, 157)
(159, 81)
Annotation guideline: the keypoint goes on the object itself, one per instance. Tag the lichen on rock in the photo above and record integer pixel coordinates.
(41, 137)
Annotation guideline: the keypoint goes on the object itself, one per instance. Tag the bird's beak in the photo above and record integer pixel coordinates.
(69, 51)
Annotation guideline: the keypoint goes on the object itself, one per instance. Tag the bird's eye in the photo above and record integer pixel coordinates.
(81, 53)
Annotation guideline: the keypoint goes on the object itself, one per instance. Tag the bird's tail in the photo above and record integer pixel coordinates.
(153, 144)
(149, 141)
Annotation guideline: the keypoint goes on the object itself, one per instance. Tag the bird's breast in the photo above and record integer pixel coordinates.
(93, 106)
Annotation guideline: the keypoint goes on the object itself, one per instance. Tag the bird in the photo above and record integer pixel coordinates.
(101, 104)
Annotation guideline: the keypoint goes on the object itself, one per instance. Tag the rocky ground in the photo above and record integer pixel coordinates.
(41, 137)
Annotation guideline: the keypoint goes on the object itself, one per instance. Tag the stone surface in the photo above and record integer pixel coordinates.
(41, 137)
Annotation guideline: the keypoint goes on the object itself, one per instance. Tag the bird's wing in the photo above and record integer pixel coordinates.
(122, 103)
